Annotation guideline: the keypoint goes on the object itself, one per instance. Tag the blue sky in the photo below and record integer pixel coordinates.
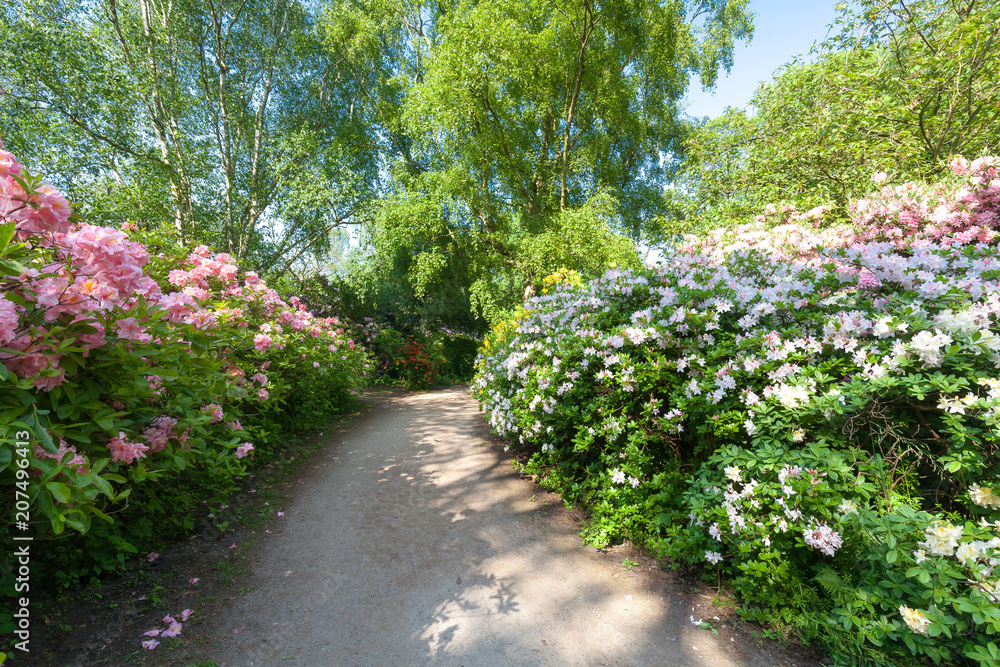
(782, 29)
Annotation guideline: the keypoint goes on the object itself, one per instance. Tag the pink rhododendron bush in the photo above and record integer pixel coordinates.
(812, 412)
(126, 402)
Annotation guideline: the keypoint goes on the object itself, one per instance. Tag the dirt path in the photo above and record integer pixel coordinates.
(413, 542)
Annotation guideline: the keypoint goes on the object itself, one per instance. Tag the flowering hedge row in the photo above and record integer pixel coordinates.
(140, 397)
(813, 411)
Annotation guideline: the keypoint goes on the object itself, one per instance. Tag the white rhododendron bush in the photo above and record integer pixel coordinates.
(136, 400)
(810, 408)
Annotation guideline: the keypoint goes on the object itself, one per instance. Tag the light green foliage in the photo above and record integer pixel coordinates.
(519, 114)
(229, 122)
(899, 87)
(580, 239)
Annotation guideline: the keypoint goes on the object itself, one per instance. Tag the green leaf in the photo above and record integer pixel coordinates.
(6, 234)
(77, 524)
(11, 268)
(104, 487)
(102, 515)
(60, 491)
(43, 435)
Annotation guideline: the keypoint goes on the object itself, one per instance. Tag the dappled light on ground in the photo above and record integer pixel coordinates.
(418, 544)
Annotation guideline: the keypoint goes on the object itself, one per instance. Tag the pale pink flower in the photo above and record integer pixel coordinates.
(124, 451)
(823, 538)
(173, 631)
(78, 460)
(177, 305)
(8, 320)
(150, 644)
(243, 450)
(47, 212)
(130, 329)
(9, 165)
(262, 342)
(201, 320)
(155, 632)
(49, 382)
(152, 556)
(215, 412)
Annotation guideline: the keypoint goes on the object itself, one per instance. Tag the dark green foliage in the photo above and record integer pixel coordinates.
(459, 357)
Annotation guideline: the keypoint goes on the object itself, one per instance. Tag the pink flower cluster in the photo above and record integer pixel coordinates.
(219, 275)
(173, 629)
(86, 273)
(911, 215)
(125, 451)
(160, 433)
(823, 539)
(216, 276)
(214, 411)
(40, 211)
(96, 278)
(914, 215)
(78, 460)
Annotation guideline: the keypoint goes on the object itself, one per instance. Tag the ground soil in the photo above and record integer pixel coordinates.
(407, 538)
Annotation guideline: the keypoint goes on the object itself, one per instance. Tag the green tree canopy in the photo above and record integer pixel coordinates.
(228, 120)
(901, 87)
(517, 113)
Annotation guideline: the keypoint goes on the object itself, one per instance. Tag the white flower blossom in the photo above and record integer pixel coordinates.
(984, 497)
(847, 507)
(715, 532)
(941, 539)
(915, 619)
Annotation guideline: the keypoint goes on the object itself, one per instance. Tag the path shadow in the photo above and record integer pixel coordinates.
(418, 544)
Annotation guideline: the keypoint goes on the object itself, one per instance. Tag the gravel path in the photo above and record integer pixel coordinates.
(413, 542)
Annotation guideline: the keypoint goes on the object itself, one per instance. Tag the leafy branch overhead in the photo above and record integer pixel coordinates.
(522, 112)
(228, 121)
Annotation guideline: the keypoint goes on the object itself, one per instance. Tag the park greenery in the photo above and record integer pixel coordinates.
(220, 220)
